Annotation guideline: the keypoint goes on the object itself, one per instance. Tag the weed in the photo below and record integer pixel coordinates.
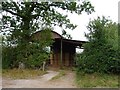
(21, 74)
(96, 80)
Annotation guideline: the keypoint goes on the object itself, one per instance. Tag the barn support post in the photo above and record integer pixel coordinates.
(61, 53)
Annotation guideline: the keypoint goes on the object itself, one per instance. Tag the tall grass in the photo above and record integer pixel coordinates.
(97, 80)
(21, 74)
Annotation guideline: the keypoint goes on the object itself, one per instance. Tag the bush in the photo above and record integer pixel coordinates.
(8, 57)
(93, 63)
(31, 56)
(31, 53)
(99, 55)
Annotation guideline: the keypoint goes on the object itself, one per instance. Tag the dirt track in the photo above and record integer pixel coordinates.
(44, 81)
(0, 82)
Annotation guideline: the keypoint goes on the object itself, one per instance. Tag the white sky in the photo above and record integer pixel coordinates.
(107, 8)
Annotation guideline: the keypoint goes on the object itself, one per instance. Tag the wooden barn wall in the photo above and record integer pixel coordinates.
(68, 53)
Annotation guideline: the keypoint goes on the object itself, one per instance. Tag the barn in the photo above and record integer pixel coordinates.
(63, 50)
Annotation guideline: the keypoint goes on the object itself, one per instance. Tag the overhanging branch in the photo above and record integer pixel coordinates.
(13, 13)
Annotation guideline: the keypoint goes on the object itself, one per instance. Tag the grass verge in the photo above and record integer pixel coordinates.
(21, 74)
(97, 80)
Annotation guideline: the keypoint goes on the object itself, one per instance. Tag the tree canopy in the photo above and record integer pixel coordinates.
(27, 17)
(22, 19)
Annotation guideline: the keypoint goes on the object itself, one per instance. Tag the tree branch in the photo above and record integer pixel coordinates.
(18, 10)
(32, 7)
(13, 13)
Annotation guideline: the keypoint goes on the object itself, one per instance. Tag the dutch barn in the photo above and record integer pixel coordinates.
(63, 50)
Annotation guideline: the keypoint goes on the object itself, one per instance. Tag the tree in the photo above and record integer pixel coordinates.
(24, 18)
(111, 31)
(27, 17)
(0, 51)
(100, 55)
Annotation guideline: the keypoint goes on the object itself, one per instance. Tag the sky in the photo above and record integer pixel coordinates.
(107, 8)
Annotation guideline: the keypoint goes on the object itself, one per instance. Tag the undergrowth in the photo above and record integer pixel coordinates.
(22, 74)
(97, 80)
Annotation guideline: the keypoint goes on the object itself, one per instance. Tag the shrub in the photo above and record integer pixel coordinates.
(99, 55)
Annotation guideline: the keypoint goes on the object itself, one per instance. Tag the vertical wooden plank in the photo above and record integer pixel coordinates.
(54, 59)
(57, 59)
(61, 52)
(63, 61)
(66, 59)
(70, 59)
(50, 58)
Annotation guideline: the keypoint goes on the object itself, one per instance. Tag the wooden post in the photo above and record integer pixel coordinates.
(61, 54)
(43, 68)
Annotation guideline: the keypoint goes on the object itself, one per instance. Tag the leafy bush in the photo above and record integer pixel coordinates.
(32, 54)
(103, 63)
(98, 55)
(8, 57)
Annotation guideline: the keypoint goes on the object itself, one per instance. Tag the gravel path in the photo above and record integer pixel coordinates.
(44, 81)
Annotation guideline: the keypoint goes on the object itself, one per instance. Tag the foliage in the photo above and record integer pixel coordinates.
(8, 57)
(30, 16)
(111, 31)
(0, 52)
(66, 35)
(21, 19)
(32, 55)
(36, 52)
(100, 54)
